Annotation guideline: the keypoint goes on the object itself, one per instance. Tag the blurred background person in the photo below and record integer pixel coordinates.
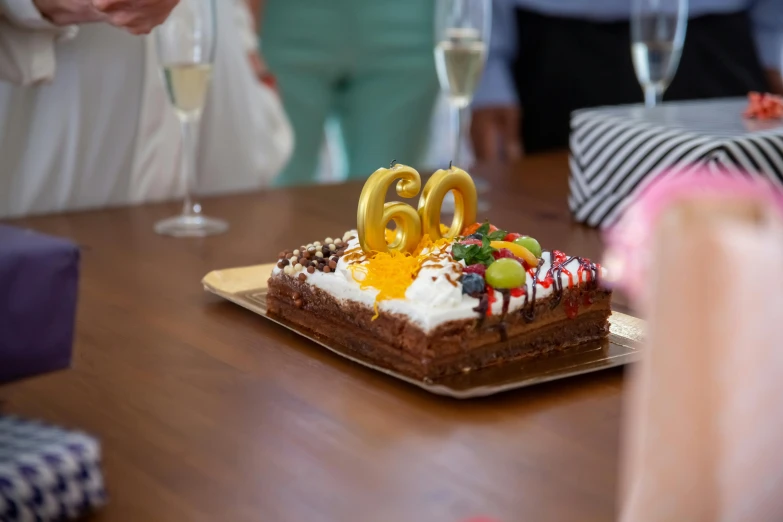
(550, 57)
(368, 64)
(84, 117)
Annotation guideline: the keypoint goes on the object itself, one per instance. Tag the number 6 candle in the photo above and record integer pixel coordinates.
(374, 213)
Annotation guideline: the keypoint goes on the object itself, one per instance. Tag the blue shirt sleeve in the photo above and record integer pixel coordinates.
(767, 17)
(496, 86)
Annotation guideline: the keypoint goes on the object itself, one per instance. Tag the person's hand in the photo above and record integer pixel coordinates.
(494, 132)
(135, 16)
(68, 12)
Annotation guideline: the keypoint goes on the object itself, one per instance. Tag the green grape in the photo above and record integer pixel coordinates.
(529, 243)
(505, 273)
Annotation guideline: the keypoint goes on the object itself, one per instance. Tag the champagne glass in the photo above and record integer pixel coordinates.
(657, 36)
(462, 29)
(186, 50)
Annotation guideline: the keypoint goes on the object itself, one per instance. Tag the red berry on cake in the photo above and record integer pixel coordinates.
(477, 268)
(502, 253)
(511, 236)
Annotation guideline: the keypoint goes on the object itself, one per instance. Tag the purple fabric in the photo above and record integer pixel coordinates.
(38, 286)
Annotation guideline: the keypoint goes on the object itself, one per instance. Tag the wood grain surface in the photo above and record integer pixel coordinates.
(208, 412)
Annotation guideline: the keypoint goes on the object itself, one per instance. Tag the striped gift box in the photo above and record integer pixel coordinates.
(617, 151)
(47, 473)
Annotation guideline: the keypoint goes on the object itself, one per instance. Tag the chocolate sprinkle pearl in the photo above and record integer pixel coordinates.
(325, 250)
(319, 254)
(297, 267)
(296, 296)
(299, 303)
(285, 262)
(302, 277)
(334, 258)
(280, 264)
(332, 246)
(297, 252)
(288, 269)
(317, 243)
(310, 269)
(288, 255)
(293, 260)
(327, 270)
(332, 264)
(328, 240)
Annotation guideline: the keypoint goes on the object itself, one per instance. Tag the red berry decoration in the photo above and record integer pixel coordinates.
(471, 242)
(510, 237)
(523, 263)
(503, 252)
(478, 268)
(558, 257)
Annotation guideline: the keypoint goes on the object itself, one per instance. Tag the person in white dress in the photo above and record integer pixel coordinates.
(84, 118)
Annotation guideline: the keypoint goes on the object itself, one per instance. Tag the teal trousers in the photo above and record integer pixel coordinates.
(368, 63)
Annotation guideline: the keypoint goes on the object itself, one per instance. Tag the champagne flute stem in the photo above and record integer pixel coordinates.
(653, 95)
(188, 164)
(458, 119)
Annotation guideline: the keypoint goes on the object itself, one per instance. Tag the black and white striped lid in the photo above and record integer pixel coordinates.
(617, 151)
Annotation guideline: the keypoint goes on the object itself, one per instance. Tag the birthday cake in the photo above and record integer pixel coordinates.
(436, 301)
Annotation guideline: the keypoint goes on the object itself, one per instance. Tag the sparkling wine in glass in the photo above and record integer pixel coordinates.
(657, 36)
(459, 59)
(462, 30)
(186, 50)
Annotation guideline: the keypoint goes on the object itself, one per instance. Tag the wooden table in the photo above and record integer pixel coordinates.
(208, 412)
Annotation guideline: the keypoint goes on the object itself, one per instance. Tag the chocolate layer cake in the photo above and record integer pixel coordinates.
(444, 309)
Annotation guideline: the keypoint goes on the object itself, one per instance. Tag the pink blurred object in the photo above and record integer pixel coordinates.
(703, 439)
(628, 244)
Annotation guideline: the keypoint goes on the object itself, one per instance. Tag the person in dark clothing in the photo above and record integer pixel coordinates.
(548, 58)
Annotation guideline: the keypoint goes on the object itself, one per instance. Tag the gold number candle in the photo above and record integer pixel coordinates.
(465, 201)
(373, 214)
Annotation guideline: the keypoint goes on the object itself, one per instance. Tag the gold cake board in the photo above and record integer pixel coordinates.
(247, 287)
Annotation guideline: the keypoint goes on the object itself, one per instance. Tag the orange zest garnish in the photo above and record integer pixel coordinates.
(391, 273)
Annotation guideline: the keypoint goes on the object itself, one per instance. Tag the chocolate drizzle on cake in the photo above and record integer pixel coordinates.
(528, 310)
(482, 309)
(554, 277)
(502, 323)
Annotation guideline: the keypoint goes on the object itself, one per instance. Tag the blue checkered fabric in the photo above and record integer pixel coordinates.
(47, 473)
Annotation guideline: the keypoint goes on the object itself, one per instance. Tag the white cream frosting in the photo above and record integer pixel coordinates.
(431, 302)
